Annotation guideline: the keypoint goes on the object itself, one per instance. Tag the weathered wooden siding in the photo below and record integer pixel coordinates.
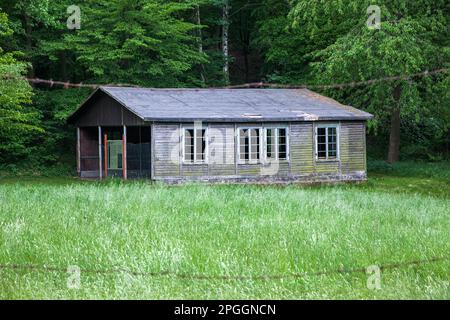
(192, 170)
(249, 169)
(166, 150)
(353, 149)
(326, 167)
(302, 149)
(104, 111)
(222, 159)
(221, 149)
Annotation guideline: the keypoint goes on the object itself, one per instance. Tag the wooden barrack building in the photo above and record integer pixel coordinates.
(219, 135)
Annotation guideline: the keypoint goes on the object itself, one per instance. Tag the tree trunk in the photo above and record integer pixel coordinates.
(200, 42)
(225, 26)
(28, 38)
(447, 151)
(245, 42)
(63, 66)
(394, 137)
(246, 67)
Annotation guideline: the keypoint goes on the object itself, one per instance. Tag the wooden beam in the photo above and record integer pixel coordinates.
(140, 151)
(236, 159)
(78, 152)
(105, 141)
(180, 149)
(99, 152)
(152, 151)
(124, 153)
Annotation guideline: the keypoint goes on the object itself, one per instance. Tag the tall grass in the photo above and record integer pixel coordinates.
(440, 170)
(221, 230)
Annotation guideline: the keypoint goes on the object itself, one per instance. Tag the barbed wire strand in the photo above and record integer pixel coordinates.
(338, 85)
(68, 84)
(44, 268)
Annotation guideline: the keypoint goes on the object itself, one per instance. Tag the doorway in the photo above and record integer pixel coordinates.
(112, 151)
(137, 153)
(115, 154)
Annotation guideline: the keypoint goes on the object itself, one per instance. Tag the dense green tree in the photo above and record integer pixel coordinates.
(56, 145)
(144, 42)
(410, 39)
(30, 20)
(17, 123)
(283, 48)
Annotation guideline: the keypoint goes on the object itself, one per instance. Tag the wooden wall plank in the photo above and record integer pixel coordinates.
(105, 111)
(166, 150)
(221, 149)
(353, 150)
(301, 148)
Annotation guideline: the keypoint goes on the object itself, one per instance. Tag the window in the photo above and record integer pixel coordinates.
(194, 145)
(276, 143)
(249, 144)
(326, 142)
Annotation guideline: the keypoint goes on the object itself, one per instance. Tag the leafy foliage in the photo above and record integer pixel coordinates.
(410, 40)
(138, 42)
(17, 122)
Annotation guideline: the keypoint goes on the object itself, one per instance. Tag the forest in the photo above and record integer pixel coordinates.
(63, 237)
(219, 43)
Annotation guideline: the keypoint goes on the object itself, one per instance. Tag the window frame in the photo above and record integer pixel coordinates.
(262, 144)
(277, 151)
(249, 161)
(183, 144)
(316, 144)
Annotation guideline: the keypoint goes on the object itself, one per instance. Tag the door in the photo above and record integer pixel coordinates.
(115, 154)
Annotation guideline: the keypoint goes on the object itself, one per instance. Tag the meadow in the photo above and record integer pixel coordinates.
(136, 240)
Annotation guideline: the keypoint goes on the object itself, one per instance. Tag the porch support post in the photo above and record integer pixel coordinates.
(124, 153)
(152, 151)
(106, 154)
(99, 152)
(78, 152)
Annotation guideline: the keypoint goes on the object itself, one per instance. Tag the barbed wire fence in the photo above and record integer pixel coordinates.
(382, 267)
(68, 84)
(339, 85)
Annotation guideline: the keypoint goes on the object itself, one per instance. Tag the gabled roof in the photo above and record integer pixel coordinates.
(230, 105)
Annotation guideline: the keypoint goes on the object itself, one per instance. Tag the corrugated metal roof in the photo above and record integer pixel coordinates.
(232, 105)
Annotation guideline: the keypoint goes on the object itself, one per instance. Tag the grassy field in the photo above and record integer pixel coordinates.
(401, 215)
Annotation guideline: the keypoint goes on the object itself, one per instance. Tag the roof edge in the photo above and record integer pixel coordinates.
(258, 120)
